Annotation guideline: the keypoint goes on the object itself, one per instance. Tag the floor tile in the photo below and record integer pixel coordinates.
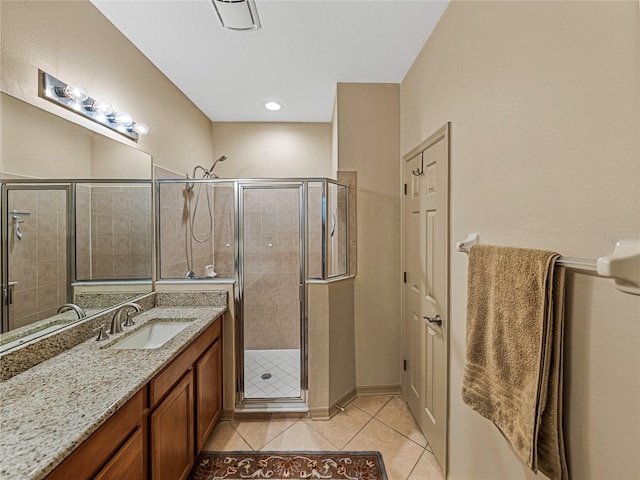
(258, 433)
(427, 468)
(371, 404)
(224, 438)
(398, 452)
(342, 427)
(396, 414)
(298, 437)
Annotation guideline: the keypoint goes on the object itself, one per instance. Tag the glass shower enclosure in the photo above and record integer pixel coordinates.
(268, 236)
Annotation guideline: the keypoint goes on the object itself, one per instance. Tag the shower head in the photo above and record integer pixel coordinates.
(221, 159)
(210, 172)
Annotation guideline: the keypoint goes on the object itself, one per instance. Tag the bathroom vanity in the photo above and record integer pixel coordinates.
(95, 411)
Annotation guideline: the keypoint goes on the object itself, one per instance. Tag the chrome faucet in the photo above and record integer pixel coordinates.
(116, 322)
(72, 306)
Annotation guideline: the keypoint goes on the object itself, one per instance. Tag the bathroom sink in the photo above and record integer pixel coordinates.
(152, 335)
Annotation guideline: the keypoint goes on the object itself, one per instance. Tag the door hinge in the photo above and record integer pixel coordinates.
(404, 365)
(405, 277)
(405, 188)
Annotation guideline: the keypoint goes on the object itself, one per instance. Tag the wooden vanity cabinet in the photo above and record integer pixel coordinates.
(128, 462)
(208, 393)
(159, 432)
(185, 402)
(171, 424)
(117, 446)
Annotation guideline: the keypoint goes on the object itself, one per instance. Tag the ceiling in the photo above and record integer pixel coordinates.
(302, 50)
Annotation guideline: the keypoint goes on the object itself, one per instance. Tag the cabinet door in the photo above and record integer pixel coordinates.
(172, 433)
(208, 393)
(128, 462)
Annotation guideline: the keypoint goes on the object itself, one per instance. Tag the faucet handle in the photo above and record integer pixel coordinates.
(129, 321)
(102, 332)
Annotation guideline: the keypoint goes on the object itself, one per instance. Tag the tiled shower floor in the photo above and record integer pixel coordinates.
(284, 367)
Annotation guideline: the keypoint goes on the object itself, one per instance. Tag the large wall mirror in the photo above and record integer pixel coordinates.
(76, 222)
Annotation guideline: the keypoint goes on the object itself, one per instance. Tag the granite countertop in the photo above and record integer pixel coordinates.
(48, 410)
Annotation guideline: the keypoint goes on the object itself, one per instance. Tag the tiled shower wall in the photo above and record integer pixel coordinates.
(38, 262)
(113, 232)
(271, 268)
(179, 252)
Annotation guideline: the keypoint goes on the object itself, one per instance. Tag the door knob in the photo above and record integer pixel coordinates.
(437, 319)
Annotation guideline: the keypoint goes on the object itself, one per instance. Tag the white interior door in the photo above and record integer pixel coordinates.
(426, 239)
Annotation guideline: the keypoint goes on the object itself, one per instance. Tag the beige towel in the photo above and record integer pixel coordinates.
(513, 367)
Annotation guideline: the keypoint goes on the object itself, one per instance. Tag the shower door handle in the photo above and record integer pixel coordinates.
(300, 292)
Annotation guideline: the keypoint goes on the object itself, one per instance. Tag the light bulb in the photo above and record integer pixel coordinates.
(103, 107)
(78, 94)
(140, 128)
(124, 119)
(273, 106)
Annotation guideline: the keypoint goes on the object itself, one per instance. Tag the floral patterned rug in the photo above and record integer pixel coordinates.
(289, 466)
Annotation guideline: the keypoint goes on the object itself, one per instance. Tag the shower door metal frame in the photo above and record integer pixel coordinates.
(21, 185)
(275, 184)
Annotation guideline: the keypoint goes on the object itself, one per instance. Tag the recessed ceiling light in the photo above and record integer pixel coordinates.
(273, 106)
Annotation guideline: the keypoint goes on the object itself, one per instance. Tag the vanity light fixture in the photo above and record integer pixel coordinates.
(272, 106)
(76, 99)
(237, 14)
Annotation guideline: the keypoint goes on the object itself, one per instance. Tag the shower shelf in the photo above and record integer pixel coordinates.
(622, 265)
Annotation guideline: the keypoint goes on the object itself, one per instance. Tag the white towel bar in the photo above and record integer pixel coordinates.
(623, 265)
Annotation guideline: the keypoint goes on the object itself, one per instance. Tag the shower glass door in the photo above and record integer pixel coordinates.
(272, 297)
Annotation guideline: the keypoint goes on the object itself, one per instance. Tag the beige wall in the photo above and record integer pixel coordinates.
(369, 143)
(271, 150)
(543, 100)
(73, 41)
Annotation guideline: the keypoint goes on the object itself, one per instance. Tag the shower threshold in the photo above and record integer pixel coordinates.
(288, 408)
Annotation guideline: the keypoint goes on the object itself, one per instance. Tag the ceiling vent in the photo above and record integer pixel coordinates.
(237, 14)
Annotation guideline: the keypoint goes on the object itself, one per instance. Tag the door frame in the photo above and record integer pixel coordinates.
(438, 135)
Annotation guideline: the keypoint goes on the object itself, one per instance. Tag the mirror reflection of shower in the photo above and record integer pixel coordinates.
(206, 174)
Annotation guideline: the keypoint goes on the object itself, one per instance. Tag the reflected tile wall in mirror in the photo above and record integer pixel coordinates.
(113, 231)
(38, 262)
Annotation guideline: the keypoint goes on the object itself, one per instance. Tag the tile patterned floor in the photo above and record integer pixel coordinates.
(284, 367)
(383, 423)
